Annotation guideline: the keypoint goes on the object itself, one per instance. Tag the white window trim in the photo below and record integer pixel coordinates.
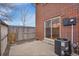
(51, 26)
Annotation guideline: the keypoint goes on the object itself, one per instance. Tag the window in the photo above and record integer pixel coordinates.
(52, 28)
(48, 29)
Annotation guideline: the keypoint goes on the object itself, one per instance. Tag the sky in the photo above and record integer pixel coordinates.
(19, 9)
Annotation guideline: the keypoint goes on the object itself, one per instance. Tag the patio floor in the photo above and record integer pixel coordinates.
(34, 48)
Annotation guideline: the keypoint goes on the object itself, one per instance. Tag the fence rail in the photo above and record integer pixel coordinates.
(4, 37)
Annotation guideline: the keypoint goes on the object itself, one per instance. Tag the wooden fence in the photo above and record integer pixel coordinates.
(22, 33)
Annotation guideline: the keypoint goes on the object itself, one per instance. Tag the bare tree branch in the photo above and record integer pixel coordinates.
(5, 14)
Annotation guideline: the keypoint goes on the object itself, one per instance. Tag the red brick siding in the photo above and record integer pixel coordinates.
(47, 11)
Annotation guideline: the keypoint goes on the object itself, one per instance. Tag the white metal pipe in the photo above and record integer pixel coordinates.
(72, 35)
(72, 38)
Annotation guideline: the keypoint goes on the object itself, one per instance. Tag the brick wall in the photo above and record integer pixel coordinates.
(47, 11)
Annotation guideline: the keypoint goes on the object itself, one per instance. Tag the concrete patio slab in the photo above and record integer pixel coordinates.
(35, 48)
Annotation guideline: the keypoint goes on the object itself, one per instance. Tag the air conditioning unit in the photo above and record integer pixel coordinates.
(62, 47)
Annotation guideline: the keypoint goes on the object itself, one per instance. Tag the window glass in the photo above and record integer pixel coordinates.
(48, 29)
